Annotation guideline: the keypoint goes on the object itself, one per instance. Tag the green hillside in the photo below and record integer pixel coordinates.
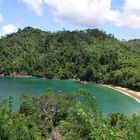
(133, 45)
(90, 55)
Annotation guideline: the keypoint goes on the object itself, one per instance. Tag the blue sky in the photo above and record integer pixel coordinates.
(118, 17)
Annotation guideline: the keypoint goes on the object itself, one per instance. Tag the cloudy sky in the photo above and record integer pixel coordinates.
(119, 17)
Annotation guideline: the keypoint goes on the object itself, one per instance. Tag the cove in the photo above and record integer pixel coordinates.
(109, 100)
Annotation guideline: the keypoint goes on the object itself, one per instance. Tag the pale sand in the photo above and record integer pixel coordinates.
(133, 94)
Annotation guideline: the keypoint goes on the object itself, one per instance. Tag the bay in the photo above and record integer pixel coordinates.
(109, 100)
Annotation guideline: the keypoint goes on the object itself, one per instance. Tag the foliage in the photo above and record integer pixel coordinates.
(89, 55)
(58, 116)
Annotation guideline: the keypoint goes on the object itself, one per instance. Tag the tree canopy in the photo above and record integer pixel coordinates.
(90, 55)
(64, 117)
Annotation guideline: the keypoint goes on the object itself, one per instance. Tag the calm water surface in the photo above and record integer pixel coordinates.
(108, 99)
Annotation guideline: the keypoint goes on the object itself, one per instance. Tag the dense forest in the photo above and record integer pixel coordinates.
(64, 117)
(88, 55)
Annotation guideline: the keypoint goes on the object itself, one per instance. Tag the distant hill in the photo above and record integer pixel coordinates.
(90, 55)
(133, 45)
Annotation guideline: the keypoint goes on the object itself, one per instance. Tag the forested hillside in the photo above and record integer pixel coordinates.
(134, 45)
(90, 55)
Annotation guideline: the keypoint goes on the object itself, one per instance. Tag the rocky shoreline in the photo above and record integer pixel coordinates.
(16, 75)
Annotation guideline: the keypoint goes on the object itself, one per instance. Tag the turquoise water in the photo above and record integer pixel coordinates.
(108, 99)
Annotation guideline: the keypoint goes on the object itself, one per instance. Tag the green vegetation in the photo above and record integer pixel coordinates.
(89, 55)
(69, 117)
(134, 45)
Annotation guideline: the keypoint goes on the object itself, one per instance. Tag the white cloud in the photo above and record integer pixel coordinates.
(129, 16)
(132, 13)
(8, 29)
(35, 5)
(90, 12)
(85, 12)
(132, 7)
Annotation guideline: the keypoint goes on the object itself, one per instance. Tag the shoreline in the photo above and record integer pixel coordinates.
(16, 76)
(131, 93)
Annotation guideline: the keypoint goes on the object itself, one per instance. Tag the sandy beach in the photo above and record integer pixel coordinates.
(133, 94)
